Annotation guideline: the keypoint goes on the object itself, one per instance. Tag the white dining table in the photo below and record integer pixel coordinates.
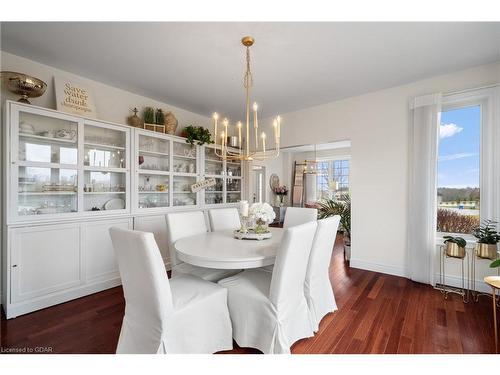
(221, 250)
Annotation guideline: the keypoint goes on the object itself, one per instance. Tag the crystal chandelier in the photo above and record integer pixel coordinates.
(244, 152)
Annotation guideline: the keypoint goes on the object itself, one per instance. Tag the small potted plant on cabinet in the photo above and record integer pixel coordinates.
(487, 240)
(455, 246)
(197, 134)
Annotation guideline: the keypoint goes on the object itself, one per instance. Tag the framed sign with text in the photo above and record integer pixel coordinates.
(74, 97)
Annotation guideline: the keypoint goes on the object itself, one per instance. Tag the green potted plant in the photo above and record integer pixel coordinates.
(160, 117)
(342, 207)
(487, 240)
(455, 246)
(149, 115)
(197, 134)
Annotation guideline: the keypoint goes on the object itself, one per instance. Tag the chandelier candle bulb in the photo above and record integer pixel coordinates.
(216, 118)
(275, 126)
(256, 125)
(239, 133)
(263, 141)
(278, 119)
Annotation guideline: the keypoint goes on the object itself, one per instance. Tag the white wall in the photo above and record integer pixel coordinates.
(377, 126)
(112, 104)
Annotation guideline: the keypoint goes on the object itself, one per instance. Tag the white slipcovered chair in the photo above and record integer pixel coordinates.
(299, 215)
(269, 310)
(296, 216)
(185, 224)
(318, 288)
(183, 315)
(224, 218)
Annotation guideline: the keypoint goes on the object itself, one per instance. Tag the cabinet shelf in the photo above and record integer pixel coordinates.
(213, 192)
(183, 174)
(183, 192)
(104, 169)
(39, 193)
(153, 153)
(102, 192)
(153, 192)
(97, 145)
(153, 171)
(42, 164)
(184, 157)
(43, 139)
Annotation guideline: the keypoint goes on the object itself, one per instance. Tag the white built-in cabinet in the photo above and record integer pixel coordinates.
(68, 179)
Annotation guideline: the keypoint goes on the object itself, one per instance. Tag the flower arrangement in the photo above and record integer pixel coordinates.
(281, 192)
(263, 214)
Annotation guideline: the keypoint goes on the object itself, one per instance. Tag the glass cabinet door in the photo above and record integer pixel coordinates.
(104, 147)
(215, 194)
(153, 176)
(182, 194)
(233, 182)
(105, 176)
(47, 154)
(214, 168)
(233, 189)
(184, 158)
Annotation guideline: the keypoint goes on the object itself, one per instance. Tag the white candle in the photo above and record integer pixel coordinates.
(222, 136)
(278, 119)
(226, 123)
(216, 118)
(275, 126)
(239, 133)
(263, 141)
(244, 208)
(255, 120)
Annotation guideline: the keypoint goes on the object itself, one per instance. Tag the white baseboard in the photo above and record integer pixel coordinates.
(378, 267)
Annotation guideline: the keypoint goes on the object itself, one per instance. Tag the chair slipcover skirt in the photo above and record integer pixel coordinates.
(256, 321)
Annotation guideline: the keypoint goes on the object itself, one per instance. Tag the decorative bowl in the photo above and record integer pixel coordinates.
(24, 85)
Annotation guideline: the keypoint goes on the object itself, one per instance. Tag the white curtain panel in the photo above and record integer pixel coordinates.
(424, 132)
(185, 315)
(318, 288)
(269, 310)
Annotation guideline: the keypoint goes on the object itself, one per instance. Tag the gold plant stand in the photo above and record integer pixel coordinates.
(446, 289)
(475, 293)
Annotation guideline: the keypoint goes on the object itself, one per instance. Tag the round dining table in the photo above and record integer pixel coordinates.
(222, 250)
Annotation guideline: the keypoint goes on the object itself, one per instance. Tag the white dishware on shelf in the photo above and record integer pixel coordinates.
(26, 128)
(114, 204)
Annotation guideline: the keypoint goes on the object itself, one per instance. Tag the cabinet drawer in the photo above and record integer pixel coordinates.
(45, 259)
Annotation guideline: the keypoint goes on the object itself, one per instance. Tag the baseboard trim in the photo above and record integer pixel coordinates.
(378, 267)
(456, 282)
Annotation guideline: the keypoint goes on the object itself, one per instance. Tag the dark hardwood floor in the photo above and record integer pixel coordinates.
(377, 314)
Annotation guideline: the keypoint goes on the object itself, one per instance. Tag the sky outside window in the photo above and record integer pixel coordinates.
(459, 142)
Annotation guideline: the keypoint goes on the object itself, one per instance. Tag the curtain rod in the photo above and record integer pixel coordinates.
(472, 89)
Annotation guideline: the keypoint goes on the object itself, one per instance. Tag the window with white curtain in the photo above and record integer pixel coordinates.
(467, 162)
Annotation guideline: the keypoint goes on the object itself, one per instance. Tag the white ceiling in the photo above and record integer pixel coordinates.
(199, 66)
